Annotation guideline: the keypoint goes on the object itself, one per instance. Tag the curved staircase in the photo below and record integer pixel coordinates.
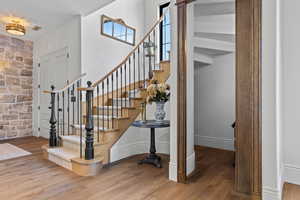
(83, 132)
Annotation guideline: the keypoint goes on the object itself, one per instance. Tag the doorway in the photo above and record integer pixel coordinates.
(247, 95)
(53, 71)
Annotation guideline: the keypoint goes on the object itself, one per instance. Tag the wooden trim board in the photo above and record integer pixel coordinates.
(248, 179)
(181, 91)
(248, 97)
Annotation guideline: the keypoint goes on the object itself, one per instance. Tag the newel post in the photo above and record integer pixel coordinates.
(53, 137)
(89, 126)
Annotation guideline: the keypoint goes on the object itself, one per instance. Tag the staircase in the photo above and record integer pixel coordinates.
(87, 121)
(214, 33)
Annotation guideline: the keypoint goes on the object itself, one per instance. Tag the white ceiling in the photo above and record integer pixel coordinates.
(48, 14)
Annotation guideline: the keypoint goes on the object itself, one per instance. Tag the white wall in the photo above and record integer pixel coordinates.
(101, 54)
(207, 24)
(173, 99)
(152, 11)
(66, 36)
(291, 94)
(190, 162)
(271, 101)
(215, 103)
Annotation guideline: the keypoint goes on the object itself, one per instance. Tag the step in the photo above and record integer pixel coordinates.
(72, 143)
(75, 139)
(125, 102)
(104, 129)
(107, 121)
(212, 44)
(101, 128)
(202, 58)
(112, 110)
(70, 160)
(215, 8)
(122, 102)
(107, 117)
(134, 93)
(158, 70)
(62, 156)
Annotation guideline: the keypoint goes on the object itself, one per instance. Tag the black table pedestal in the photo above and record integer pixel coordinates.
(152, 158)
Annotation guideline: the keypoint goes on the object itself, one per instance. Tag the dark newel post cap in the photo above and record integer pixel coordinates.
(89, 83)
(52, 87)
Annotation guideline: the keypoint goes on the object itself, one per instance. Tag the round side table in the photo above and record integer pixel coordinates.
(152, 157)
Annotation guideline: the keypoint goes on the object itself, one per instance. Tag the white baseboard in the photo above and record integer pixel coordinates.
(190, 167)
(214, 142)
(190, 163)
(173, 171)
(119, 152)
(271, 194)
(292, 174)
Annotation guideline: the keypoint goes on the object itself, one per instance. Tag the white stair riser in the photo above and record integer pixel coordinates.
(75, 147)
(76, 131)
(134, 93)
(104, 123)
(124, 103)
(111, 112)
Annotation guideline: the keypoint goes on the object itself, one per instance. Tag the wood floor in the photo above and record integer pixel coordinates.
(34, 178)
(291, 192)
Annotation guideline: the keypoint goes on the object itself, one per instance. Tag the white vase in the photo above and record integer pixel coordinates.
(160, 114)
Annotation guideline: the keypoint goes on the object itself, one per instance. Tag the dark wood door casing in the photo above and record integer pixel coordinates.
(181, 90)
(248, 95)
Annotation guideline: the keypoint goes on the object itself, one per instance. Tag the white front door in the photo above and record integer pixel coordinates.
(53, 71)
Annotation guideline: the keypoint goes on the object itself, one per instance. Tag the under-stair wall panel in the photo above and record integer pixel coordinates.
(215, 103)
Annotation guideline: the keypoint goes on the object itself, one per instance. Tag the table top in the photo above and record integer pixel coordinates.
(151, 124)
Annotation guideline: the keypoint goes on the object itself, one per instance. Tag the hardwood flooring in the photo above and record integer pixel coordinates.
(34, 178)
(291, 192)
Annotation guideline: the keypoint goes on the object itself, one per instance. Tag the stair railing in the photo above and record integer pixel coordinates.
(105, 98)
(65, 106)
(116, 90)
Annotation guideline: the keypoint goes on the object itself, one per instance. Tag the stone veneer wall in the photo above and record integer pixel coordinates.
(15, 87)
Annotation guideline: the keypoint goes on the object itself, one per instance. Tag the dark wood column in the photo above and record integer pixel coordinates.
(181, 81)
(248, 97)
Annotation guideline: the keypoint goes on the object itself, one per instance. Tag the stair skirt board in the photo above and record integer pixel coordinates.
(71, 162)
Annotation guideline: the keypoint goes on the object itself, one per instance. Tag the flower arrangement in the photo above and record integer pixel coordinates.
(158, 92)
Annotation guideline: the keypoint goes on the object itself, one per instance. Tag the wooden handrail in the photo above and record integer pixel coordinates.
(67, 86)
(127, 57)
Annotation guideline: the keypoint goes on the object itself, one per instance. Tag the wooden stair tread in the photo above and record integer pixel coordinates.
(63, 153)
(114, 107)
(158, 70)
(105, 117)
(102, 129)
(128, 98)
(76, 139)
(108, 117)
